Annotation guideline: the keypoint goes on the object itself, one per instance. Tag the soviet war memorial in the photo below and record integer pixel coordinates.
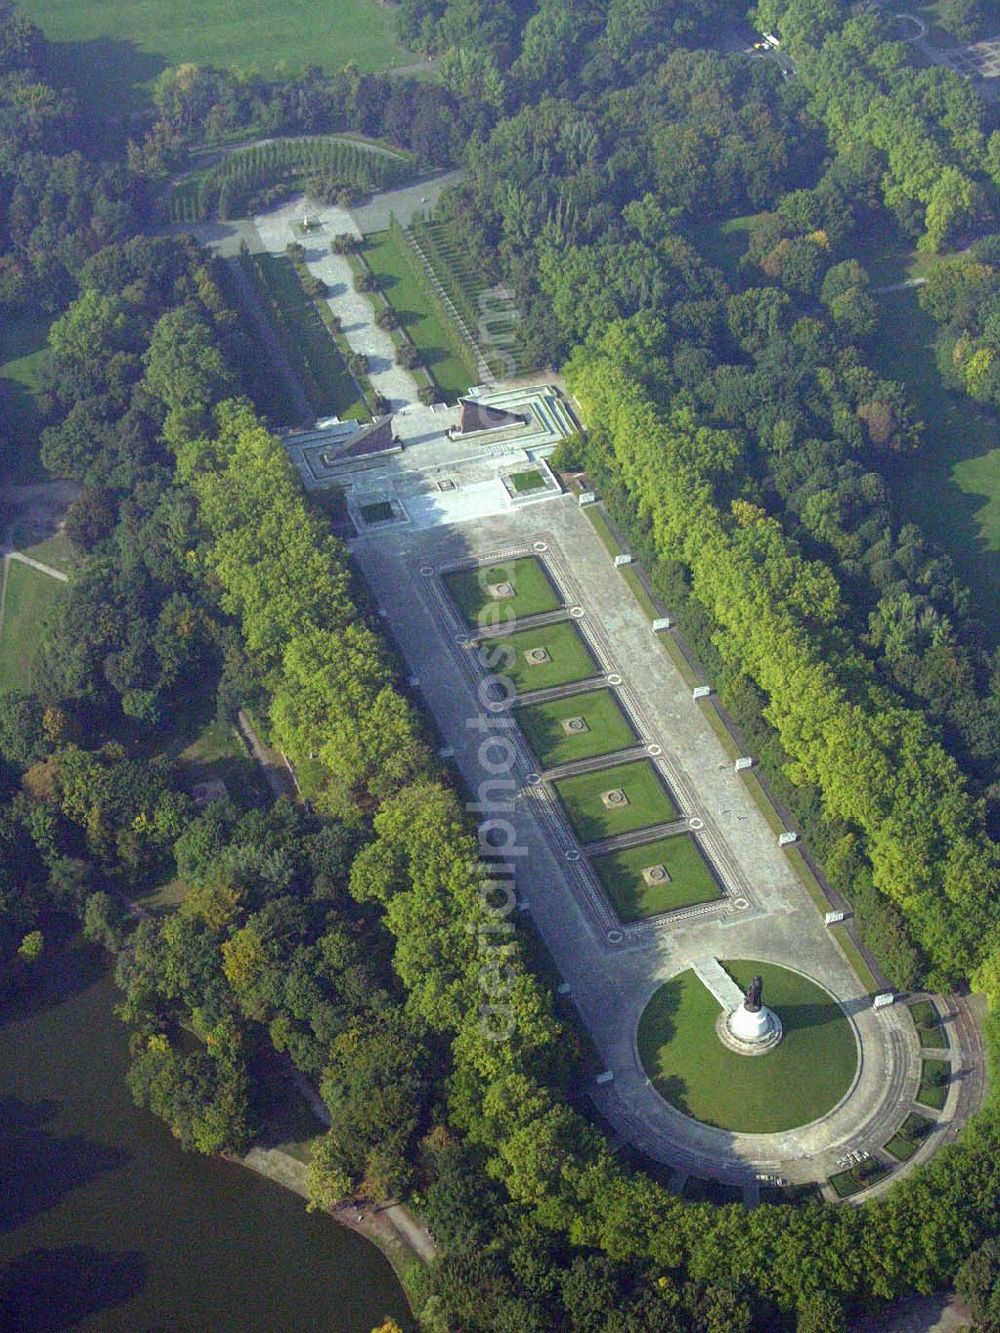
(500, 666)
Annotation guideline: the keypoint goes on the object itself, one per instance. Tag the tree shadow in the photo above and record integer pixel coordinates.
(40, 1169)
(65, 968)
(106, 72)
(49, 1289)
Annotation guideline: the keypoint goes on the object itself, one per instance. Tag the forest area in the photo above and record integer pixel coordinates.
(601, 145)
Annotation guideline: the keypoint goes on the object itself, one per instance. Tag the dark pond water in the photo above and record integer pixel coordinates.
(106, 1224)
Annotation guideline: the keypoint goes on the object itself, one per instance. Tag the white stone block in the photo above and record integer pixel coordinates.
(786, 838)
(701, 692)
(885, 997)
(661, 622)
(832, 918)
(606, 1077)
(743, 763)
(623, 559)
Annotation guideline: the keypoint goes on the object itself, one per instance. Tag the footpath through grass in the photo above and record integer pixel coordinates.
(394, 271)
(951, 487)
(802, 1078)
(112, 50)
(30, 596)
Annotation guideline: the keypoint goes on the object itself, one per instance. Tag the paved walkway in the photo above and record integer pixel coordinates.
(276, 771)
(612, 971)
(714, 977)
(353, 308)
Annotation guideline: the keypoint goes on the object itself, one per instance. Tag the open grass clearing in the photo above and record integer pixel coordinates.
(724, 243)
(23, 354)
(691, 878)
(30, 597)
(385, 257)
(802, 1078)
(533, 592)
(647, 801)
(526, 482)
(930, 1030)
(607, 538)
(951, 487)
(607, 728)
(58, 552)
(568, 657)
(112, 50)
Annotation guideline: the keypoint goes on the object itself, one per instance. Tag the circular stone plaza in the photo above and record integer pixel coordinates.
(741, 1037)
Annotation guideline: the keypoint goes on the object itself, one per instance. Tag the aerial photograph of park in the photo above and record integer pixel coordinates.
(500, 666)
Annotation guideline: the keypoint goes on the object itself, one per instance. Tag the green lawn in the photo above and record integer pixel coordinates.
(691, 877)
(648, 800)
(525, 482)
(569, 657)
(859, 1177)
(905, 1142)
(932, 1093)
(533, 592)
(23, 353)
(928, 1024)
(392, 267)
(608, 729)
(111, 50)
(806, 1074)
(379, 511)
(327, 382)
(723, 243)
(951, 487)
(30, 596)
(58, 552)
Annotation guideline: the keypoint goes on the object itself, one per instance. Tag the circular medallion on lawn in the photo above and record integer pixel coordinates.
(614, 679)
(540, 546)
(533, 779)
(696, 823)
(427, 570)
(655, 750)
(571, 854)
(798, 1081)
(576, 612)
(615, 937)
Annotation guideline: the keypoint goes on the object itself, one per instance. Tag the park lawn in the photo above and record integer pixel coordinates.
(691, 877)
(951, 487)
(23, 354)
(217, 753)
(401, 289)
(649, 800)
(802, 1078)
(58, 552)
(931, 1093)
(608, 728)
(724, 243)
(534, 592)
(30, 596)
(112, 50)
(570, 658)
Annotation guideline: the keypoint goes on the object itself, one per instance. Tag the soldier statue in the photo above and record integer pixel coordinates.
(751, 1001)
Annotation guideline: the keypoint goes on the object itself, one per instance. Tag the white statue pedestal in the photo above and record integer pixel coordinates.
(750, 1031)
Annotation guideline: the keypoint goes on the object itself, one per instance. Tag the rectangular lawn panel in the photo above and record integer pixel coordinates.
(533, 592)
(691, 878)
(524, 482)
(901, 1148)
(649, 801)
(933, 1090)
(608, 729)
(569, 659)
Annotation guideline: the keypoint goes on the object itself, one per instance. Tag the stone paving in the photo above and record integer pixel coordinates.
(612, 969)
(353, 308)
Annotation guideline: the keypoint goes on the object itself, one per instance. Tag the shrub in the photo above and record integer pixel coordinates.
(295, 251)
(343, 243)
(366, 281)
(387, 318)
(428, 394)
(408, 356)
